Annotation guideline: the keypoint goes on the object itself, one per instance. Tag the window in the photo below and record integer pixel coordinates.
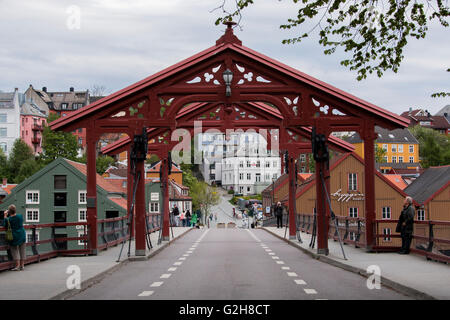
(268, 164)
(400, 159)
(274, 176)
(241, 176)
(385, 158)
(248, 189)
(63, 106)
(394, 159)
(386, 213)
(82, 214)
(302, 157)
(249, 176)
(4, 146)
(411, 159)
(81, 242)
(352, 182)
(385, 147)
(275, 164)
(32, 215)
(394, 148)
(353, 212)
(387, 234)
(258, 164)
(258, 177)
(60, 199)
(2, 117)
(241, 189)
(3, 132)
(60, 182)
(248, 164)
(29, 234)
(82, 197)
(421, 214)
(411, 148)
(32, 197)
(400, 148)
(80, 141)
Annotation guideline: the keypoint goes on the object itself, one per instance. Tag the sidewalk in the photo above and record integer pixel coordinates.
(47, 279)
(410, 274)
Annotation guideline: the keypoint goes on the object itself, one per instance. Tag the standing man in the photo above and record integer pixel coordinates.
(279, 214)
(405, 225)
(176, 215)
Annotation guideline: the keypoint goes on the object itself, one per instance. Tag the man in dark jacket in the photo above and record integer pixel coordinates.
(405, 225)
(279, 215)
(175, 213)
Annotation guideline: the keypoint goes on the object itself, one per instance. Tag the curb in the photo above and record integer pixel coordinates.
(384, 281)
(99, 277)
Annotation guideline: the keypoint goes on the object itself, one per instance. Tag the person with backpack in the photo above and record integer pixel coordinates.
(14, 226)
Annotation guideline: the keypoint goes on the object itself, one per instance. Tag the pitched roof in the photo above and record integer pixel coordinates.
(156, 167)
(388, 136)
(101, 182)
(445, 109)
(429, 184)
(30, 109)
(122, 202)
(396, 179)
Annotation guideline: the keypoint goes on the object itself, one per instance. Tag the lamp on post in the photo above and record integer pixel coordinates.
(273, 195)
(227, 78)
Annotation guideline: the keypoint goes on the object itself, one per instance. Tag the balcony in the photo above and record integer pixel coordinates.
(36, 140)
(37, 127)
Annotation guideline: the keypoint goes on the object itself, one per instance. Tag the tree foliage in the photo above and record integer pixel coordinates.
(380, 153)
(3, 165)
(434, 148)
(20, 153)
(56, 144)
(373, 33)
(103, 163)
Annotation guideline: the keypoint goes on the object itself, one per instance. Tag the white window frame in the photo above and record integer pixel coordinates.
(421, 214)
(79, 214)
(400, 148)
(411, 159)
(27, 210)
(352, 181)
(387, 232)
(386, 214)
(249, 176)
(151, 208)
(80, 192)
(351, 213)
(400, 159)
(394, 148)
(29, 233)
(82, 242)
(27, 201)
(385, 147)
(411, 146)
(394, 159)
(385, 158)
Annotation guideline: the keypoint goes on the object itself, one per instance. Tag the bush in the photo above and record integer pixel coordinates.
(231, 191)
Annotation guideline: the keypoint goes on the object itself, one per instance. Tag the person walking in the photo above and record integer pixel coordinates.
(405, 225)
(279, 214)
(176, 215)
(194, 219)
(17, 245)
(183, 219)
(188, 218)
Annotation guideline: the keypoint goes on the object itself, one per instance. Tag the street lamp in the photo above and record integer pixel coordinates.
(228, 77)
(273, 194)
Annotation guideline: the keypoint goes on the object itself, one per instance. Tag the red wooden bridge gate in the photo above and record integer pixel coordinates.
(229, 86)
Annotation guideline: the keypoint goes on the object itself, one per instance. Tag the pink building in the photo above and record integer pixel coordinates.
(32, 122)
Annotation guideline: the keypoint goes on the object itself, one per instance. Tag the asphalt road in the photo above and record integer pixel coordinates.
(224, 264)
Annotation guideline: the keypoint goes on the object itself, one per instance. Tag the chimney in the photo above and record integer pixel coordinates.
(410, 109)
(44, 89)
(446, 114)
(5, 182)
(71, 89)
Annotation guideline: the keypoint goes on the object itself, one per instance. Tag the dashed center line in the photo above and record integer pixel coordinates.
(182, 258)
(284, 268)
(310, 291)
(178, 263)
(165, 275)
(292, 274)
(156, 284)
(145, 293)
(172, 269)
(279, 262)
(299, 281)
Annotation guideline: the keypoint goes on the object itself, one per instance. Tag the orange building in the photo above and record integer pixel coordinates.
(176, 174)
(400, 146)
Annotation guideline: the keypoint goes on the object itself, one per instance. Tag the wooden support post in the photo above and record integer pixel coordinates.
(91, 177)
(321, 210)
(140, 212)
(165, 182)
(369, 184)
(292, 202)
(129, 191)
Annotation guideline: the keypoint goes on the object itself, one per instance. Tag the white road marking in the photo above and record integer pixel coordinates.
(284, 268)
(185, 255)
(165, 275)
(268, 250)
(272, 253)
(310, 291)
(292, 274)
(156, 284)
(190, 251)
(279, 262)
(298, 281)
(172, 269)
(182, 258)
(145, 293)
(178, 263)
(275, 258)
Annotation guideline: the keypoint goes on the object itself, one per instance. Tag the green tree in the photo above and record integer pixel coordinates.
(380, 153)
(434, 148)
(373, 33)
(203, 197)
(4, 172)
(27, 169)
(152, 159)
(103, 163)
(19, 154)
(56, 144)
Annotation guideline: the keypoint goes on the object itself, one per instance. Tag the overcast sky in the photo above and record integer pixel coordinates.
(121, 42)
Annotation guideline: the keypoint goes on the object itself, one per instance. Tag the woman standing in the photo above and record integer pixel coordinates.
(183, 219)
(17, 245)
(194, 219)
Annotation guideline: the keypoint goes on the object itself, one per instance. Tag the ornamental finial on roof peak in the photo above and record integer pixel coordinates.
(229, 36)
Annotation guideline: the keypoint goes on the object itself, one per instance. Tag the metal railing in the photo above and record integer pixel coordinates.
(111, 232)
(430, 238)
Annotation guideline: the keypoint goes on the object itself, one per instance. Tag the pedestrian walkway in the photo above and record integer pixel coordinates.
(47, 279)
(411, 274)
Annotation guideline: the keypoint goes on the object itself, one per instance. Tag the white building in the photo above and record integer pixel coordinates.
(9, 120)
